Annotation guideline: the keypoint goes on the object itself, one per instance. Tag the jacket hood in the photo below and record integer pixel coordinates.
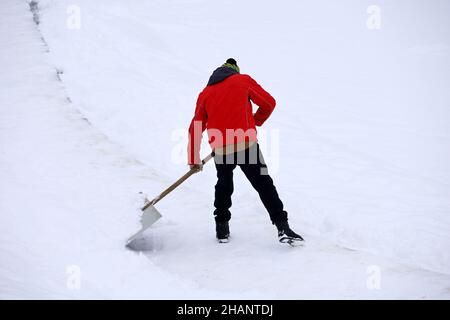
(220, 74)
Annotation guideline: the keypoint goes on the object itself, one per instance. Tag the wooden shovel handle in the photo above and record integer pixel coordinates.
(176, 183)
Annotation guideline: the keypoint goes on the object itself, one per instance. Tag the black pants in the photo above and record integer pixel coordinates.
(252, 165)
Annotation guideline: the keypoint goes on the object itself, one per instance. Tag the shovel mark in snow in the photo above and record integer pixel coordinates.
(35, 10)
(145, 244)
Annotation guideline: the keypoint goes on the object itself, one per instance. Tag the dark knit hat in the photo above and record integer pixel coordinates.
(231, 63)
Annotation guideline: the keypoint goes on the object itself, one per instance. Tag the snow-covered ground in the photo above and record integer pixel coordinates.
(96, 111)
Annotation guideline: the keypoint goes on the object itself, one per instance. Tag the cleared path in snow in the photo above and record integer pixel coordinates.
(254, 262)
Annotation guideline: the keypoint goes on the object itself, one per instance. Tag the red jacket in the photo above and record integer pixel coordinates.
(224, 108)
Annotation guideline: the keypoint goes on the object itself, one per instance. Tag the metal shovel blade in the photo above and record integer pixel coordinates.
(149, 216)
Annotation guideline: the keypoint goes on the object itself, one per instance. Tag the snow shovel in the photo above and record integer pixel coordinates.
(149, 213)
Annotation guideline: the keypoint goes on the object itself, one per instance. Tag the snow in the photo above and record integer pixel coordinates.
(92, 116)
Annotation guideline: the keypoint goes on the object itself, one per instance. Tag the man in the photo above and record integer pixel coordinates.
(224, 108)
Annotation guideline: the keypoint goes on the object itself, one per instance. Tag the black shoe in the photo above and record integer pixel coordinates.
(286, 235)
(222, 231)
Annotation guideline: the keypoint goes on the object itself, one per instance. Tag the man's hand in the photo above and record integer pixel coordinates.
(196, 167)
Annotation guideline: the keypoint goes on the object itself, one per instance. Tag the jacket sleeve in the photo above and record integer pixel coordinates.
(198, 125)
(263, 99)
